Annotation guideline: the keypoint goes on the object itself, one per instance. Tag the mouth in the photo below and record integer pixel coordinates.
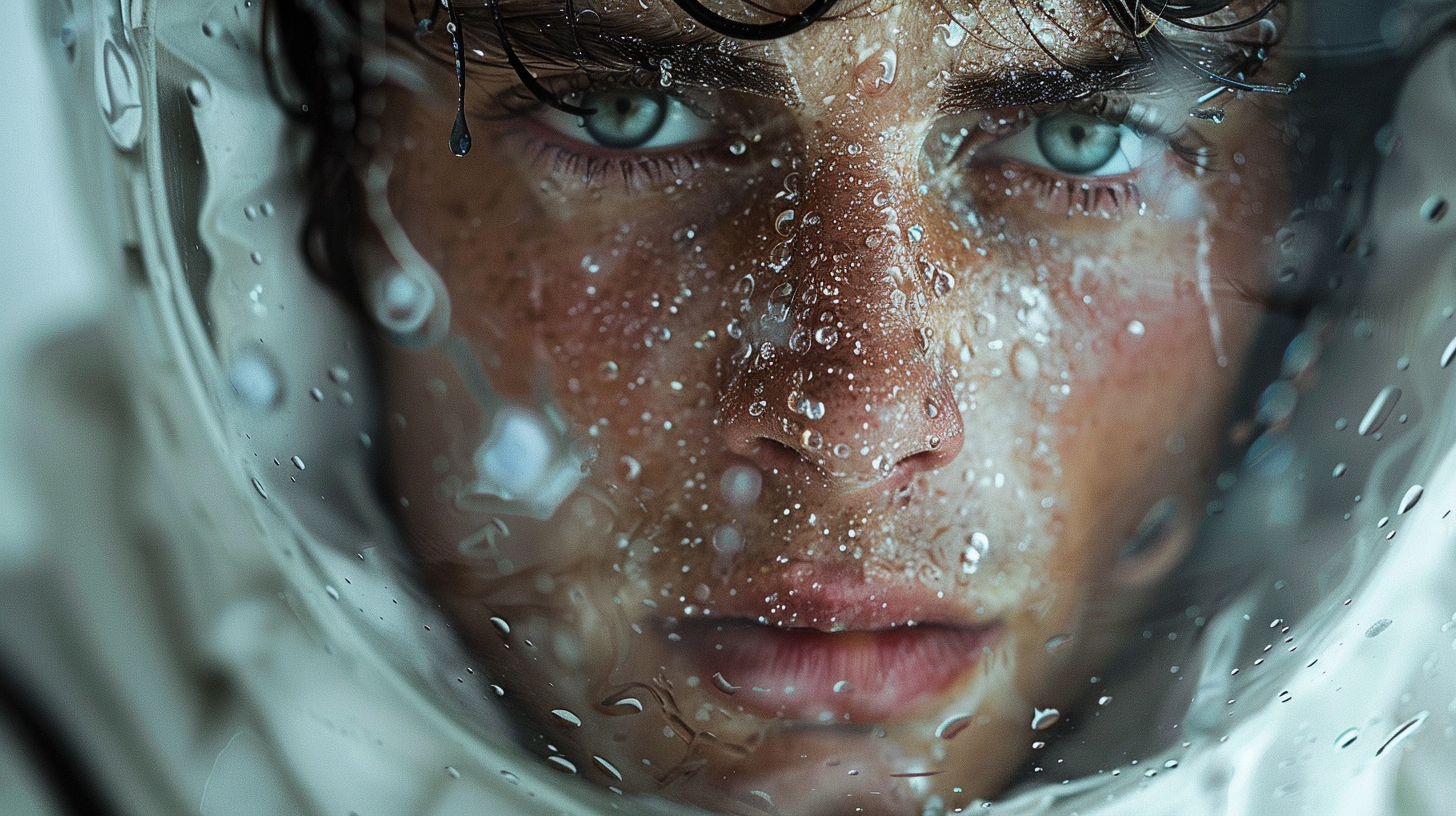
(869, 663)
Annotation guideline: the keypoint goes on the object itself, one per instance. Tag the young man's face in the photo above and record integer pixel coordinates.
(801, 407)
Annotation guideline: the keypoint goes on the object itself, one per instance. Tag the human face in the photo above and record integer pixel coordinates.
(811, 422)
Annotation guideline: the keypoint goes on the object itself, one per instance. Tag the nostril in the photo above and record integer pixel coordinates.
(771, 455)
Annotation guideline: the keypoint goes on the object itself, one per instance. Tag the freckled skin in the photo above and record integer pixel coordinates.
(898, 389)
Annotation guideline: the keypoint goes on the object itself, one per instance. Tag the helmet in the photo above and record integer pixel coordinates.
(563, 410)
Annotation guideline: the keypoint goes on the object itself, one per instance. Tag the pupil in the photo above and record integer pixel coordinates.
(624, 106)
(1078, 134)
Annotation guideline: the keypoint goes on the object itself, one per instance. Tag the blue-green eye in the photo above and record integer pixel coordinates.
(1076, 144)
(627, 119)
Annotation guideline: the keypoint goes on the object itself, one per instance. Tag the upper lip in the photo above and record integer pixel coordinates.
(833, 598)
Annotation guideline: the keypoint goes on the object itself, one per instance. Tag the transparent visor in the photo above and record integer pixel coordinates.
(932, 406)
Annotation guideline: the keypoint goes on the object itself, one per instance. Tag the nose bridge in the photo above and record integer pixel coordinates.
(835, 371)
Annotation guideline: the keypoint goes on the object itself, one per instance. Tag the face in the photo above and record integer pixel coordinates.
(806, 426)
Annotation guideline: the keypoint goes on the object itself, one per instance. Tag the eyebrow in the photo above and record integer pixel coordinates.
(978, 89)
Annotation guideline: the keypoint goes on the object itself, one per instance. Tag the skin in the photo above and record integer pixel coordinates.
(1002, 356)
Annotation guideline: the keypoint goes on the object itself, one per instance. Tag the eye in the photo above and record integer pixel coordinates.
(627, 119)
(1076, 144)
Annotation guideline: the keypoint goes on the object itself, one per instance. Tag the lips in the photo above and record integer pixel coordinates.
(835, 652)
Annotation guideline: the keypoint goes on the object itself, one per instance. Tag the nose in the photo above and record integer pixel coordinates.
(838, 373)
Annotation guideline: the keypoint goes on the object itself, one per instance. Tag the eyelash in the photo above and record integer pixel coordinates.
(1108, 196)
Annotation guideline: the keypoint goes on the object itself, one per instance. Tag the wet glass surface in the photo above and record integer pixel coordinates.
(1038, 407)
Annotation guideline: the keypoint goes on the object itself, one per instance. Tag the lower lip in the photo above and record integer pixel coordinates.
(858, 676)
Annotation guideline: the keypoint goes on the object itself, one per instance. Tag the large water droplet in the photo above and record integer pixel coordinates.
(826, 336)
(255, 379)
(727, 540)
(567, 717)
(402, 302)
(1044, 718)
(952, 725)
(1402, 731)
(952, 34)
(607, 768)
(975, 549)
(1410, 498)
(1347, 738)
(1379, 410)
(784, 223)
(811, 409)
(741, 485)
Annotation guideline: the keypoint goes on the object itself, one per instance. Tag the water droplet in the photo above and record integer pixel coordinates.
(952, 34)
(1340, 470)
(741, 485)
(452, 772)
(952, 725)
(198, 94)
(1409, 500)
(841, 451)
(1024, 363)
(727, 540)
(607, 768)
(915, 232)
(567, 717)
(931, 409)
(402, 302)
(1402, 731)
(333, 593)
(1277, 403)
(784, 223)
(1379, 410)
(843, 687)
(664, 73)
(1377, 627)
(501, 625)
(811, 439)
(975, 549)
(297, 462)
(631, 468)
(1434, 209)
(258, 486)
(826, 336)
(1208, 114)
(1347, 737)
(723, 685)
(799, 341)
(255, 380)
(1056, 642)
(1136, 328)
(561, 763)
(738, 147)
(756, 408)
(1104, 699)
(1044, 718)
(811, 409)
(618, 705)
(1448, 353)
